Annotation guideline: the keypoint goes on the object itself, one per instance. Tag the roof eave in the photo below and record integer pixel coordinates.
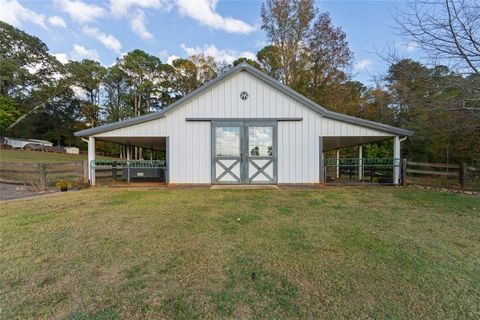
(119, 124)
(369, 124)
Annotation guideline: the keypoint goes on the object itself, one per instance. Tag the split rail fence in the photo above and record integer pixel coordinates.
(27, 173)
(462, 176)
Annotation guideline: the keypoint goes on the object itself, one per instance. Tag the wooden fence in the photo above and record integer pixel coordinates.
(439, 174)
(25, 173)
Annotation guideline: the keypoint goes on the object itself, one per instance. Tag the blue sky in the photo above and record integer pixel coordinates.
(225, 29)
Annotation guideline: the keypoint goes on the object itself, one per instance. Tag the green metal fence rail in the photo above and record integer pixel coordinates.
(131, 169)
(378, 170)
(130, 163)
(377, 162)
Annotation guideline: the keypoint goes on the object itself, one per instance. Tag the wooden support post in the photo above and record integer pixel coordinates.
(404, 172)
(462, 175)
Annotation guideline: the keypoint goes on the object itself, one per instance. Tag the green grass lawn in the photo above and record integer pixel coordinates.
(369, 252)
(37, 156)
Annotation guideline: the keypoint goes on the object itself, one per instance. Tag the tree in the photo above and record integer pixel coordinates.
(288, 24)
(56, 121)
(143, 74)
(307, 52)
(207, 68)
(251, 62)
(185, 76)
(446, 30)
(193, 72)
(29, 76)
(25, 64)
(430, 102)
(88, 75)
(269, 59)
(8, 114)
(117, 94)
(328, 58)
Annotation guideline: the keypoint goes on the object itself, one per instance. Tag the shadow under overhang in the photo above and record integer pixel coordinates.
(154, 143)
(333, 143)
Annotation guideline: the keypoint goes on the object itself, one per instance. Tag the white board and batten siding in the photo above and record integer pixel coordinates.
(189, 142)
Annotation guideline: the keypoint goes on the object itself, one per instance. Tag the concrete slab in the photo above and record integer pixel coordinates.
(245, 186)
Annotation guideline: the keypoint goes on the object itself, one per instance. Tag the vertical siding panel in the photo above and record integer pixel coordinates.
(215, 102)
(255, 109)
(233, 103)
(260, 100)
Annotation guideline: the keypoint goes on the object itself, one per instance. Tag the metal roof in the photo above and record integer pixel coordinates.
(262, 76)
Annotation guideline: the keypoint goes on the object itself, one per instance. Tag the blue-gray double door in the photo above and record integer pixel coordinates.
(244, 152)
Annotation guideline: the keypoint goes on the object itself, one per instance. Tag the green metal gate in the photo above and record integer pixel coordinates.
(360, 170)
(130, 170)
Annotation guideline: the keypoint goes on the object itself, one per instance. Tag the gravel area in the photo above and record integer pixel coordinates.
(11, 191)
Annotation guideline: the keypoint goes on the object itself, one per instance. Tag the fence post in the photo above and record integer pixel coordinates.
(404, 173)
(85, 171)
(462, 175)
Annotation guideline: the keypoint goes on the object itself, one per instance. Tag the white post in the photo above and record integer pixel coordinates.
(396, 160)
(129, 157)
(360, 162)
(91, 158)
(129, 152)
(338, 164)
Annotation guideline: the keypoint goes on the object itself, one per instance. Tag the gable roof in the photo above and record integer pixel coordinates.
(262, 76)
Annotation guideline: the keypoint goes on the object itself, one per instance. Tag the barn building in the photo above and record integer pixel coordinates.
(245, 127)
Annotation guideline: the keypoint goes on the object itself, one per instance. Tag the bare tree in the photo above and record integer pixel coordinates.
(448, 31)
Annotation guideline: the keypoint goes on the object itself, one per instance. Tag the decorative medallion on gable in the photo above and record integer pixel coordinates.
(244, 95)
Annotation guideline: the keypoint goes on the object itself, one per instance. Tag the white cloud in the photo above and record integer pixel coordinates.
(220, 55)
(364, 64)
(14, 13)
(62, 57)
(204, 12)
(137, 23)
(79, 52)
(107, 40)
(81, 12)
(56, 21)
(132, 10)
(172, 58)
(121, 8)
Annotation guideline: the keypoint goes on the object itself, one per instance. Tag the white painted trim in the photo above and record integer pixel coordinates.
(91, 158)
(396, 157)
